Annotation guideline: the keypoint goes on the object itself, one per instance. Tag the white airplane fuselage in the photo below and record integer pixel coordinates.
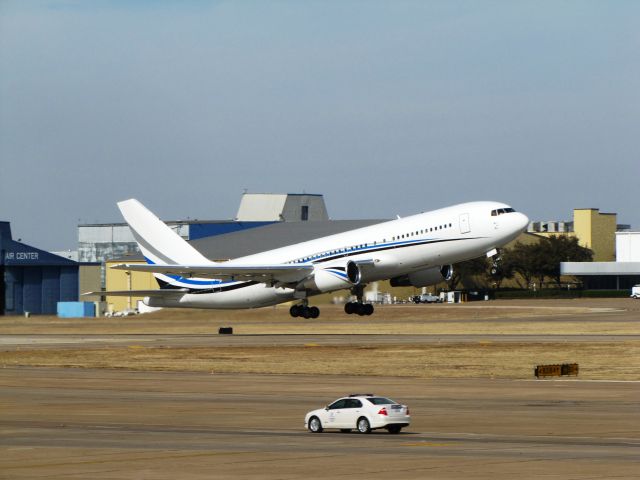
(387, 250)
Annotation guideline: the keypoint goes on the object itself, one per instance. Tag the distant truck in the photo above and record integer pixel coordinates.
(635, 291)
(426, 298)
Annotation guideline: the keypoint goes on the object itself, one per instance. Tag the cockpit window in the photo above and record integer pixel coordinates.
(500, 211)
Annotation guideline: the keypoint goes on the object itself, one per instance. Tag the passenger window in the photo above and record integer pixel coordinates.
(338, 404)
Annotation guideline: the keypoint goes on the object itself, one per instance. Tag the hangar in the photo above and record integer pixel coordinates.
(33, 280)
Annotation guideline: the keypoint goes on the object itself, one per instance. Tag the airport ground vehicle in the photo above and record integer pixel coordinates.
(427, 298)
(635, 291)
(361, 411)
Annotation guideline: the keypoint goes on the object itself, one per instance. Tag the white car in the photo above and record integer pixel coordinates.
(364, 412)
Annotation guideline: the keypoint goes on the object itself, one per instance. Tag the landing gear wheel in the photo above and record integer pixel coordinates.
(304, 311)
(314, 425)
(345, 430)
(363, 425)
(358, 308)
(394, 429)
(496, 265)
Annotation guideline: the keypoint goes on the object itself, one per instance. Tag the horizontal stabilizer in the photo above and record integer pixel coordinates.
(167, 292)
(280, 272)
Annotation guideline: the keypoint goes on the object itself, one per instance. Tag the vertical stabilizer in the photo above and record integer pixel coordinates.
(159, 244)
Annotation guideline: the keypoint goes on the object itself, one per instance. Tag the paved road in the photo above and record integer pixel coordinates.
(77, 423)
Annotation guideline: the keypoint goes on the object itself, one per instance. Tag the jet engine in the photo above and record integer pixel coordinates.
(424, 278)
(328, 278)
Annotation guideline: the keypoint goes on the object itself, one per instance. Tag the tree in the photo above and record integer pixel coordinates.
(542, 259)
(464, 271)
(561, 248)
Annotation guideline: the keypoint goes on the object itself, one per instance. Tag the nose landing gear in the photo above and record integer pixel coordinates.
(496, 266)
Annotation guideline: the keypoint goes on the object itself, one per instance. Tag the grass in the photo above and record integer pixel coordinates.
(611, 360)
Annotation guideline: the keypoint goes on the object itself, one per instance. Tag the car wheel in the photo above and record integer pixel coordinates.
(345, 430)
(314, 425)
(394, 429)
(363, 425)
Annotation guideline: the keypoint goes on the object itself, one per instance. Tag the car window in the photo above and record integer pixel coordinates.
(338, 404)
(380, 401)
(353, 403)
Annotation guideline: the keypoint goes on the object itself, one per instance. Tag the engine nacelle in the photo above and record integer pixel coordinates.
(328, 279)
(424, 278)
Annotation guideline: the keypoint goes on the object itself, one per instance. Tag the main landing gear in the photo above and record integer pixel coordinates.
(304, 311)
(359, 307)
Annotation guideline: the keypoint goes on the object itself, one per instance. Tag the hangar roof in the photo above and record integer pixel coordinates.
(600, 268)
(275, 235)
(247, 242)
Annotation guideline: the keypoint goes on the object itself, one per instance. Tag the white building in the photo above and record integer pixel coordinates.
(628, 246)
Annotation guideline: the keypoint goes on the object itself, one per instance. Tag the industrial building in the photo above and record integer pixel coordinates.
(616, 248)
(592, 228)
(100, 242)
(263, 221)
(296, 224)
(34, 281)
(621, 274)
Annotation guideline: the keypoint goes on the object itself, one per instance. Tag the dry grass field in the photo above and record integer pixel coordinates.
(608, 358)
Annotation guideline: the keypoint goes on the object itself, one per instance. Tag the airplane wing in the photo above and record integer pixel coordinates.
(284, 273)
(165, 292)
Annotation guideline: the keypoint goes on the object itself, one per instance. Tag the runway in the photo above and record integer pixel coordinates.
(213, 340)
(121, 424)
(145, 397)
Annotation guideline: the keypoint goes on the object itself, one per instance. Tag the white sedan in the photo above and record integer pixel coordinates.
(364, 412)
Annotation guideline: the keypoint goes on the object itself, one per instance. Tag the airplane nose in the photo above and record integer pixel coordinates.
(522, 221)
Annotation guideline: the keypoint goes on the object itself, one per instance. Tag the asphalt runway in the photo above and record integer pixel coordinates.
(105, 424)
(123, 424)
(9, 342)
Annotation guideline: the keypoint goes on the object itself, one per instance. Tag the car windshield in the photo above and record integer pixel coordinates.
(380, 401)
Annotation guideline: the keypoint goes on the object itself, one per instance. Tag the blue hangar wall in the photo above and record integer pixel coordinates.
(32, 280)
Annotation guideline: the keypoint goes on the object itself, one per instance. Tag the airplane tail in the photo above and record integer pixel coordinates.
(159, 244)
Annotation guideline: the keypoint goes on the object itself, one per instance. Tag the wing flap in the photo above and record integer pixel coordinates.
(261, 273)
(166, 292)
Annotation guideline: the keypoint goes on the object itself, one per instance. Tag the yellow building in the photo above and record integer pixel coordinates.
(596, 231)
(593, 229)
(126, 280)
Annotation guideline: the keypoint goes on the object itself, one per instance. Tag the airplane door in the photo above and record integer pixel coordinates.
(464, 223)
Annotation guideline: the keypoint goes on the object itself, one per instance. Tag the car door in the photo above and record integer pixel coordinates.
(333, 417)
(350, 413)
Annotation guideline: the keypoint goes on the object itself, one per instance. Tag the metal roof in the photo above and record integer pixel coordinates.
(600, 268)
(276, 235)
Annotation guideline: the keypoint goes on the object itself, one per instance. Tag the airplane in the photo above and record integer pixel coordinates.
(417, 250)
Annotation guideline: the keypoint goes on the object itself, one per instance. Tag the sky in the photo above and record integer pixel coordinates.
(385, 107)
